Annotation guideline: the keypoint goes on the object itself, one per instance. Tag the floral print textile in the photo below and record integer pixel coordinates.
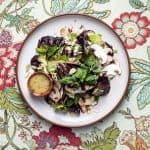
(132, 29)
(128, 128)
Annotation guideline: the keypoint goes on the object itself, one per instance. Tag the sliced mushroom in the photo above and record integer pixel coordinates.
(72, 71)
(67, 50)
(86, 103)
(109, 59)
(73, 90)
(82, 105)
(57, 92)
(99, 52)
(88, 87)
(64, 31)
(89, 100)
(70, 91)
(112, 70)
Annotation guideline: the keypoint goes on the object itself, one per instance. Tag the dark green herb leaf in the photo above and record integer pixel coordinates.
(52, 51)
(76, 99)
(90, 60)
(69, 102)
(80, 74)
(84, 66)
(93, 64)
(97, 68)
(70, 80)
(91, 79)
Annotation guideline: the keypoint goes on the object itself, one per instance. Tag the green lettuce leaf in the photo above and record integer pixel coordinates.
(70, 80)
(95, 38)
(91, 79)
(80, 74)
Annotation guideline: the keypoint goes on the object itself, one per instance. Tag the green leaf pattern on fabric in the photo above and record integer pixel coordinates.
(102, 1)
(56, 6)
(141, 65)
(98, 140)
(60, 6)
(25, 12)
(137, 78)
(102, 14)
(21, 19)
(19, 16)
(83, 5)
(22, 2)
(11, 100)
(69, 5)
(140, 79)
(137, 4)
(76, 6)
(143, 97)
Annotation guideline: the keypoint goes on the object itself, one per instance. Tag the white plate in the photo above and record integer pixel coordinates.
(106, 103)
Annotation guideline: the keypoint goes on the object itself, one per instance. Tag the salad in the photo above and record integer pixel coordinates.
(79, 64)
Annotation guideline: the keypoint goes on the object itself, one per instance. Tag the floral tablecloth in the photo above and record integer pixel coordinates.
(128, 128)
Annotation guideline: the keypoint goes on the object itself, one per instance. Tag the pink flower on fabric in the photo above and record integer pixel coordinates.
(52, 138)
(8, 58)
(5, 38)
(132, 28)
(7, 66)
(36, 125)
(127, 137)
(23, 135)
(24, 120)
